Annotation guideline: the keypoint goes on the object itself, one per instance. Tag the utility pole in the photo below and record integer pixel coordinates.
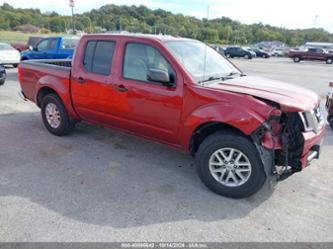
(72, 4)
(315, 21)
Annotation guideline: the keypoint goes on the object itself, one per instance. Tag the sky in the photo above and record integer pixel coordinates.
(283, 13)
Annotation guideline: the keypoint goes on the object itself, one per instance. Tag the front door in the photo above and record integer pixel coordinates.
(148, 108)
(45, 49)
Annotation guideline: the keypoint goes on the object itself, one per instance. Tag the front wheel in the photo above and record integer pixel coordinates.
(246, 56)
(229, 164)
(55, 116)
(329, 61)
(297, 59)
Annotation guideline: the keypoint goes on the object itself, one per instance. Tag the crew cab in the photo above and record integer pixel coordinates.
(241, 129)
(311, 54)
(51, 48)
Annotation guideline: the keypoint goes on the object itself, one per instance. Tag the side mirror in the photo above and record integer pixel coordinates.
(158, 75)
(31, 48)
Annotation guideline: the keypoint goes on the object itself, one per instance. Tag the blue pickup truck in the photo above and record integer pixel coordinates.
(51, 48)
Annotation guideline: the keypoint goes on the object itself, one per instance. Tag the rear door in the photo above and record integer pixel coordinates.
(92, 90)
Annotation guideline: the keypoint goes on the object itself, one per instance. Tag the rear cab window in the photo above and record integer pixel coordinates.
(98, 56)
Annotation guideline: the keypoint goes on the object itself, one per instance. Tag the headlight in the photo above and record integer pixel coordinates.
(312, 120)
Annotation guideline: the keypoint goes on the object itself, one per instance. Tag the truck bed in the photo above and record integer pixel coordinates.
(57, 63)
(44, 72)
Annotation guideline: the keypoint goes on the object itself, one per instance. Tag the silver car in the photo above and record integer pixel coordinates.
(9, 55)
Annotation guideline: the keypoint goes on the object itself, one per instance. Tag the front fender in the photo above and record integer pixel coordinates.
(242, 118)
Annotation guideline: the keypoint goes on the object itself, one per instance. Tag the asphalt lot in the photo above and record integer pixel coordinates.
(100, 185)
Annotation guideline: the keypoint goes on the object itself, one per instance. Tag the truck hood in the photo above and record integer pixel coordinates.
(291, 98)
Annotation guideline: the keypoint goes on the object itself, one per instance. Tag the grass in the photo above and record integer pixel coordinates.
(13, 36)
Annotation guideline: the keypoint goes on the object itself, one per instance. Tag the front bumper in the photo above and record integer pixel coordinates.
(312, 145)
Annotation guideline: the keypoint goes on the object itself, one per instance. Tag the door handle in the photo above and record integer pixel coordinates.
(121, 88)
(81, 80)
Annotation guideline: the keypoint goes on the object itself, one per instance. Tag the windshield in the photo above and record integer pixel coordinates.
(200, 61)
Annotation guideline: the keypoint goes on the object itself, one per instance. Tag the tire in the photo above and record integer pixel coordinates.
(60, 123)
(246, 56)
(230, 140)
(297, 59)
(2, 81)
(329, 61)
(227, 55)
(15, 65)
(331, 123)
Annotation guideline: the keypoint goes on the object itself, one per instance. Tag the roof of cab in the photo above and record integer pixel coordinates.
(161, 38)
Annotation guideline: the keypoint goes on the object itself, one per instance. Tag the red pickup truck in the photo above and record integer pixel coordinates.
(242, 130)
(311, 54)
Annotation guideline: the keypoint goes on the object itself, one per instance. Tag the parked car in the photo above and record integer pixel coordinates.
(279, 52)
(9, 55)
(24, 46)
(261, 53)
(236, 51)
(311, 54)
(2, 75)
(182, 93)
(51, 48)
(219, 49)
(329, 106)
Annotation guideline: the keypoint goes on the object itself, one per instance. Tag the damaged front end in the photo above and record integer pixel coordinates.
(282, 139)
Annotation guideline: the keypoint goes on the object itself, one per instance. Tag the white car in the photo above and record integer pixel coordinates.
(9, 55)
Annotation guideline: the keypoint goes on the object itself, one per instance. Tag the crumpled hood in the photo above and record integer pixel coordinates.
(291, 98)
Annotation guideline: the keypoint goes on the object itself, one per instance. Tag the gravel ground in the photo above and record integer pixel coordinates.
(101, 185)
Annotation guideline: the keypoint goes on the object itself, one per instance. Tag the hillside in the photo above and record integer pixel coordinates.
(145, 20)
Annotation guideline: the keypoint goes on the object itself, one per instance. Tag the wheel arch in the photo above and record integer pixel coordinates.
(208, 128)
(221, 116)
(43, 88)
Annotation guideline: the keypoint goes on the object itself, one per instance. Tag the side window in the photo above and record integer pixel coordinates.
(98, 57)
(139, 58)
(43, 45)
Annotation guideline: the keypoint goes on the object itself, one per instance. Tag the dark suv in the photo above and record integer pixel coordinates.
(239, 52)
(2, 74)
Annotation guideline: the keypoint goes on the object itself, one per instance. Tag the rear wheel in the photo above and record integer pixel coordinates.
(229, 165)
(297, 59)
(15, 65)
(331, 123)
(329, 61)
(55, 116)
